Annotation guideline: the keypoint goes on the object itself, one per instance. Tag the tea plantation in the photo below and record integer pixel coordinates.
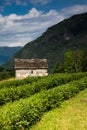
(24, 102)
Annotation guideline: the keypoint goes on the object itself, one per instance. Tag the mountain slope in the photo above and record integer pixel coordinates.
(6, 53)
(70, 34)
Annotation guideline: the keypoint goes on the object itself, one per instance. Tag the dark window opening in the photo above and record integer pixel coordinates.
(31, 71)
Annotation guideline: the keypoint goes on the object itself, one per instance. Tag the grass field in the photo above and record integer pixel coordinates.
(72, 115)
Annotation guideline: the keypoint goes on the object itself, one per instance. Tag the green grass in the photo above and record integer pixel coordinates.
(72, 115)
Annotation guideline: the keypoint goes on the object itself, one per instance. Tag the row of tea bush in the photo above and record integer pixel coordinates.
(12, 93)
(24, 113)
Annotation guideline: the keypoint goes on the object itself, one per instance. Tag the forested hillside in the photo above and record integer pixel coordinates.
(70, 34)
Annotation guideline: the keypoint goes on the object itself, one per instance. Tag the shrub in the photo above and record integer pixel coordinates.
(16, 83)
(15, 93)
(4, 74)
(26, 112)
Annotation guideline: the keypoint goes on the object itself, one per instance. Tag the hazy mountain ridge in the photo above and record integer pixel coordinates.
(70, 34)
(6, 53)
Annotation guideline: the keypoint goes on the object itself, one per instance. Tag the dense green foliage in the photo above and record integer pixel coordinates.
(6, 74)
(26, 112)
(15, 82)
(14, 90)
(53, 43)
(74, 61)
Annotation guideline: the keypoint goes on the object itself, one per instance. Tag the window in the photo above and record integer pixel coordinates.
(31, 71)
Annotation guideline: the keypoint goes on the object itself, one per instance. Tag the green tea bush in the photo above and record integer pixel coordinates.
(62, 76)
(16, 82)
(15, 93)
(26, 112)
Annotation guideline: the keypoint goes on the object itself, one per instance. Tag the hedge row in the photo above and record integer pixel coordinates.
(26, 112)
(15, 93)
(16, 82)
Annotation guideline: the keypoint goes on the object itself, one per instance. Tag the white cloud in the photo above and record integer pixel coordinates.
(33, 13)
(18, 30)
(21, 29)
(77, 9)
(12, 17)
(1, 19)
(19, 2)
(40, 1)
(16, 2)
(23, 2)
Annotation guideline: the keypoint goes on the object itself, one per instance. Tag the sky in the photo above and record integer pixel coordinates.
(22, 21)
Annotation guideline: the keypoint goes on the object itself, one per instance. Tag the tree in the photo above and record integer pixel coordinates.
(58, 68)
(78, 57)
(74, 61)
(84, 65)
(68, 61)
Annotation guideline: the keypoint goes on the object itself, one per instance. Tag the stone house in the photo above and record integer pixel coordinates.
(30, 67)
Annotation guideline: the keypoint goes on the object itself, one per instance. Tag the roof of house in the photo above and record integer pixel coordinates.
(31, 64)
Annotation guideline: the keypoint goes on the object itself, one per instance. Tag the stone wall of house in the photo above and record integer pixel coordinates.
(23, 73)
